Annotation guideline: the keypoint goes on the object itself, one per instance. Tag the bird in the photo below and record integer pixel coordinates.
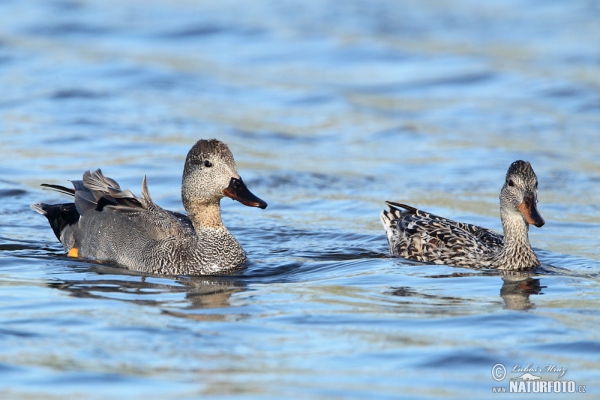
(421, 236)
(111, 225)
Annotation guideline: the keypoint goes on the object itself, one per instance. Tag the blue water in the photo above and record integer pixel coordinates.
(330, 108)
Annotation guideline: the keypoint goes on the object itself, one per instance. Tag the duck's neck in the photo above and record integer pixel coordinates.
(216, 249)
(517, 253)
(205, 215)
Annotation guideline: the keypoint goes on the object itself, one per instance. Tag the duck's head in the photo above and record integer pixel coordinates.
(210, 174)
(519, 193)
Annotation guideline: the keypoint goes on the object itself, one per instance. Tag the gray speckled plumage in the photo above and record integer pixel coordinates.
(107, 223)
(421, 236)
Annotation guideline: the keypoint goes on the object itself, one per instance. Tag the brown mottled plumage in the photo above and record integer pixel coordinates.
(418, 235)
(110, 224)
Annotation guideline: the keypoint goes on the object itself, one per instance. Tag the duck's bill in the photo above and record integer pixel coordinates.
(530, 212)
(237, 190)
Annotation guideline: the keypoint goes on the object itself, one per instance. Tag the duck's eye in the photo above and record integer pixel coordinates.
(207, 164)
(511, 183)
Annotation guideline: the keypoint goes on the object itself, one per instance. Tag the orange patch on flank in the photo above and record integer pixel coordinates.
(74, 252)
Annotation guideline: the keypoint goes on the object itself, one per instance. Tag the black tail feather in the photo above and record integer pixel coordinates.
(58, 188)
(59, 215)
(398, 206)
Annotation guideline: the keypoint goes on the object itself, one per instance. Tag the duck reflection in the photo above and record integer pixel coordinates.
(517, 289)
(195, 293)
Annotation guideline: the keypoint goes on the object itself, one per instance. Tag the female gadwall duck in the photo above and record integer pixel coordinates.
(106, 223)
(418, 235)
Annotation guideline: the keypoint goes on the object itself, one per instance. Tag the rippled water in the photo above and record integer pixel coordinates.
(330, 109)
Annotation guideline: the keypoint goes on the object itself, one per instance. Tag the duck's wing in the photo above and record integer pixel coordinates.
(103, 192)
(483, 234)
(422, 236)
(98, 192)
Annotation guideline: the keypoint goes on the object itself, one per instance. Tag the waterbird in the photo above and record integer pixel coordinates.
(418, 235)
(108, 224)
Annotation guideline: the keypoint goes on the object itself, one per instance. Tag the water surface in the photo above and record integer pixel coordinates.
(330, 108)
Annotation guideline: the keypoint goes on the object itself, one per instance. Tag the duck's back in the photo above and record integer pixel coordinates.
(421, 236)
(144, 239)
(159, 241)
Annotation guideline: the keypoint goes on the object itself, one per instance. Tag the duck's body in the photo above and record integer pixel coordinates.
(421, 236)
(106, 223)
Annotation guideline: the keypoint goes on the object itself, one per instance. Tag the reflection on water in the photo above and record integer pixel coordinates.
(516, 291)
(199, 292)
(215, 292)
(330, 108)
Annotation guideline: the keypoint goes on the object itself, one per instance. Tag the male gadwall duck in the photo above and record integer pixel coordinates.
(106, 223)
(418, 235)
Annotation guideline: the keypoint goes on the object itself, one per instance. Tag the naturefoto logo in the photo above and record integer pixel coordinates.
(527, 377)
(530, 379)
